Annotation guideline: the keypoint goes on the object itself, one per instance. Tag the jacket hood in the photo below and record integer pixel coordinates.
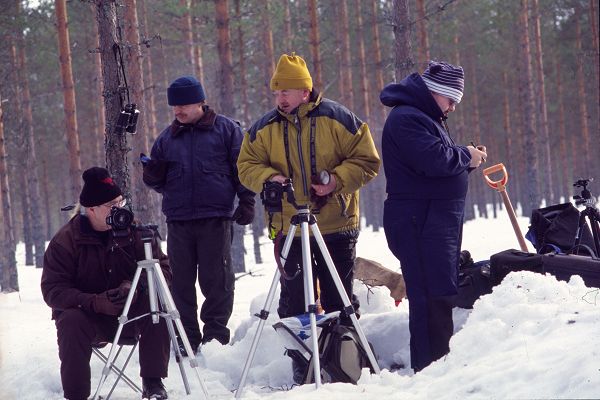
(411, 91)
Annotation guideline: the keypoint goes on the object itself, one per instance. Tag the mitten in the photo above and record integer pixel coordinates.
(244, 213)
(102, 304)
(155, 171)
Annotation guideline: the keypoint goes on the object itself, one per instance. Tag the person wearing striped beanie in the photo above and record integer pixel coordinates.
(427, 181)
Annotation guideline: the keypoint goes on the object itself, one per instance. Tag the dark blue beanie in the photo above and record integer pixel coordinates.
(185, 90)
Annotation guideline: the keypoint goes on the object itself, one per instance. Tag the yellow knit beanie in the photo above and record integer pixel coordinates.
(291, 73)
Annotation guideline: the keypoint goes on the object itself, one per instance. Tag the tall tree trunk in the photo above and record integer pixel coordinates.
(243, 84)
(31, 170)
(267, 48)
(145, 211)
(99, 104)
(68, 87)
(225, 74)
(315, 44)
(544, 135)
(404, 64)
(346, 72)
(581, 91)
(149, 74)
(188, 36)
(110, 49)
(423, 38)
(566, 162)
(198, 63)
(288, 38)
(533, 197)
(9, 279)
(379, 118)
(594, 27)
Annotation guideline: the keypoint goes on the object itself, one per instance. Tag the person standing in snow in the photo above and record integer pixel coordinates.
(427, 181)
(193, 166)
(86, 279)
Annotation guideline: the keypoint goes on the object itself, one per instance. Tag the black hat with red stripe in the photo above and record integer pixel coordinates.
(98, 187)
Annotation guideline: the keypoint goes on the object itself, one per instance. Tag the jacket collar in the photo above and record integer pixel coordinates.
(303, 109)
(206, 122)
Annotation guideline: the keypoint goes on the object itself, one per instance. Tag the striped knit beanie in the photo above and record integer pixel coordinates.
(445, 79)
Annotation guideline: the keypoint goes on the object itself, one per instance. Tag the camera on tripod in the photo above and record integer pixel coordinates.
(120, 219)
(272, 195)
(128, 118)
(585, 198)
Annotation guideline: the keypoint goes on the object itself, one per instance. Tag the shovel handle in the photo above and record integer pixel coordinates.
(499, 185)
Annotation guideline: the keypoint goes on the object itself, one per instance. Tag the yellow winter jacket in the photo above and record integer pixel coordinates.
(343, 146)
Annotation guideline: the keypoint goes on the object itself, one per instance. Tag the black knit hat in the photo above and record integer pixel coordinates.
(445, 79)
(185, 90)
(98, 188)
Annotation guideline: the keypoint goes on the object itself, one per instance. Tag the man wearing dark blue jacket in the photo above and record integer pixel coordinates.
(193, 165)
(427, 180)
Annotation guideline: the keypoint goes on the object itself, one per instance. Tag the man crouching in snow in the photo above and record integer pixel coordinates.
(86, 279)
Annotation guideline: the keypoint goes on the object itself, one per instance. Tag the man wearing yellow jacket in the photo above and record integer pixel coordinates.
(298, 140)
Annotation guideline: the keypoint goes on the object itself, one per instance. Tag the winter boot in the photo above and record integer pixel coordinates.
(153, 388)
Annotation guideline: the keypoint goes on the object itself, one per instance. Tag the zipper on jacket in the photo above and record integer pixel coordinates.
(343, 205)
(192, 167)
(299, 140)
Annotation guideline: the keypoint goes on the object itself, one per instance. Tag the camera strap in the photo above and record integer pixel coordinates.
(313, 152)
(277, 250)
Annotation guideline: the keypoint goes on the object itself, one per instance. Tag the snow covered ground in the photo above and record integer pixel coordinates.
(533, 337)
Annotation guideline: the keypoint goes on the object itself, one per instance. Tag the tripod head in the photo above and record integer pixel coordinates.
(272, 195)
(585, 198)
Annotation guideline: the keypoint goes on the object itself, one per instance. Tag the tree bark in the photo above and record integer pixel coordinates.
(9, 278)
(581, 91)
(533, 197)
(346, 72)
(544, 135)
(379, 118)
(564, 158)
(268, 50)
(198, 62)
(288, 39)
(99, 104)
(243, 84)
(315, 44)
(404, 63)
(423, 38)
(188, 36)
(68, 87)
(225, 73)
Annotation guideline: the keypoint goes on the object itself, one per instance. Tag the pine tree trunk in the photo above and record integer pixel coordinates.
(110, 51)
(68, 87)
(314, 40)
(544, 134)
(287, 28)
(379, 116)
(100, 122)
(422, 37)
(346, 73)
(533, 197)
(268, 50)
(9, 279)
(565, 157)
(188, 59)
(198, 63)
(225, 74)
(404, 63)
(243, 84)
(583, 110)
(596, 49)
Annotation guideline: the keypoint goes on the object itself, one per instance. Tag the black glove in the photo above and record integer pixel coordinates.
(244, 213)
(155, 171)
(111, 302)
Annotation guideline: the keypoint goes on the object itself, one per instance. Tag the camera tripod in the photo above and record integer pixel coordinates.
(158, 291)
(304, 218)
(593, 215)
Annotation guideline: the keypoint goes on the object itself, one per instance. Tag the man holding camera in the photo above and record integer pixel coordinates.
(327, 154)
(427, 181)
(193, 165)
(88, 268)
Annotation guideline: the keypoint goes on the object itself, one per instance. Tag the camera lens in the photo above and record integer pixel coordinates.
(119, 218)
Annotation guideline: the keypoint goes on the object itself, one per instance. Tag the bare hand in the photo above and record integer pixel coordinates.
(478, 155)
(324, 190)
(279, 179)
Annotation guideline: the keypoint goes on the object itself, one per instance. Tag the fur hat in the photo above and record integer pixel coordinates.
(185, 90)
(98, 188)
(445, 79)
(291, 73)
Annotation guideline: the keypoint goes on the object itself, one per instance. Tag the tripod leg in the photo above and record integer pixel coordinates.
(110, 359)
(595, 224)
(340, 288)
(579, 232)
(309, 296)
(264, 313)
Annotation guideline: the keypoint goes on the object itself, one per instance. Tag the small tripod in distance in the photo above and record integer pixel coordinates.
(158, 291)
(272, 196)
(591, 212)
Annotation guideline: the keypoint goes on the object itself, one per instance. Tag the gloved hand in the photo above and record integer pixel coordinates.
(155, 171)
(111, 302)
(244, 213)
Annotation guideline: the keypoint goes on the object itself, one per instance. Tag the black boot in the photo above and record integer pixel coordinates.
(299, 366)
(153, 388)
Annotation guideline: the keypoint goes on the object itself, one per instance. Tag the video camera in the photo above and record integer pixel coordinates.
(272, 195)
(585, 198)
(128, 118)
(120, 219)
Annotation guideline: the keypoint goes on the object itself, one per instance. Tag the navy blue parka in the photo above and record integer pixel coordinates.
(427, 181)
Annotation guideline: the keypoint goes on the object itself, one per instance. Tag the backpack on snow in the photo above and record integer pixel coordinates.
(342, 356)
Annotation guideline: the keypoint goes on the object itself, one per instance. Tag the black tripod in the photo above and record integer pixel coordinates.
(590, 212)
(305, 218)
(158, 291)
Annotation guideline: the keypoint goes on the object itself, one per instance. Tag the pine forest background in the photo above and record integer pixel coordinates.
(68, 67)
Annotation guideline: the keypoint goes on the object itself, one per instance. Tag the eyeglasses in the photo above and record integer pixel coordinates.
(119, 203)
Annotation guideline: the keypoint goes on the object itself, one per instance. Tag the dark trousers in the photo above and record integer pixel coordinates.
(200, 250)
(77, 330)
(425, 235)
(343, 252)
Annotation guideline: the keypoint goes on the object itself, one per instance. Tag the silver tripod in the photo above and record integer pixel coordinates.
(158, 290)
(304, 218)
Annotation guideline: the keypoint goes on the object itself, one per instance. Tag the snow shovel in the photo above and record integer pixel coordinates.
(500, 186)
